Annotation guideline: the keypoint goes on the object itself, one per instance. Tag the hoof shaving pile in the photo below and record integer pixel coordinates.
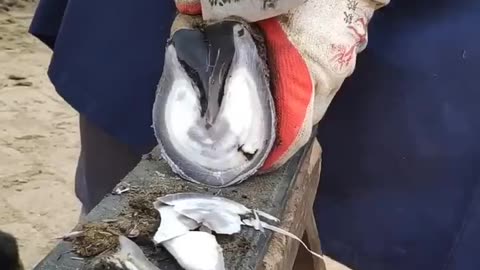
(139, 221)
(195, 228)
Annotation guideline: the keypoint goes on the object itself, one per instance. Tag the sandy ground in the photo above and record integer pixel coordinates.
(39, 143)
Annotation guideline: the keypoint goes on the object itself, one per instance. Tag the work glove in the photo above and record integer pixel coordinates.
(312, 47)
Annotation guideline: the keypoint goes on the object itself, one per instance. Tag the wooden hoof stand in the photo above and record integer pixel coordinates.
(284, 252)
(287, 193)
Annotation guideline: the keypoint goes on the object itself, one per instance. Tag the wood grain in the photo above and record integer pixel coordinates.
(282, 250)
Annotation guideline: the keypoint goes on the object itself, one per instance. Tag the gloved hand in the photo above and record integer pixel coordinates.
(312, 48)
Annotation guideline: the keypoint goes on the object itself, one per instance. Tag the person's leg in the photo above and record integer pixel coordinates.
(83, 215)
(103, 162)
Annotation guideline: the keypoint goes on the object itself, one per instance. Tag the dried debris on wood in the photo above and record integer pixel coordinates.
(213, 215)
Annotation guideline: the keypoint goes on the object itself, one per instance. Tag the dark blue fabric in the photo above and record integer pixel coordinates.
(47, 20)
(107, 60)
(400, 186)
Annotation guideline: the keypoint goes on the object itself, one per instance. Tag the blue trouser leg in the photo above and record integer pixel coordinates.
(103, 162)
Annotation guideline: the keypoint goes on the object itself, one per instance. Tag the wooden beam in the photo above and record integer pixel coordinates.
(287, 193)
(298, 213)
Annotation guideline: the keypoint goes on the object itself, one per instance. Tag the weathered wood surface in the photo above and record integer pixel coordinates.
(297, 217)
(305, 260)
(292, 187)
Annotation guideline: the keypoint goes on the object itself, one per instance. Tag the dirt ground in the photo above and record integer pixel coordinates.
(39, 142)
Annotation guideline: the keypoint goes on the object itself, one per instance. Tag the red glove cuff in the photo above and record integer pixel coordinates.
(193, 8)
(292, 89)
